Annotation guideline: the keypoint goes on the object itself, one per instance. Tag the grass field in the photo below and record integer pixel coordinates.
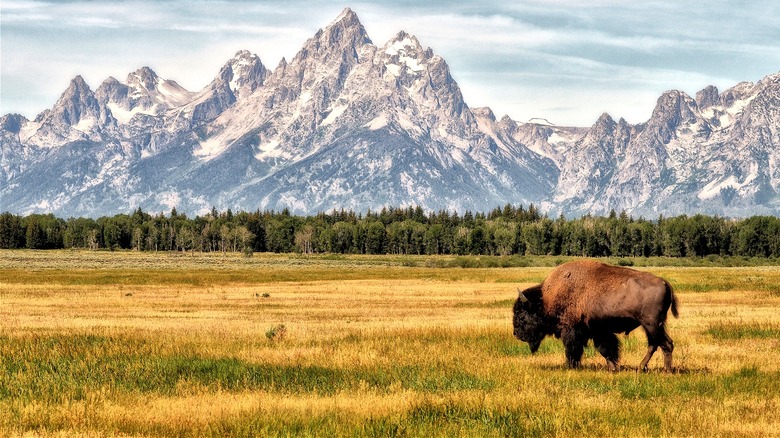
(101, 343)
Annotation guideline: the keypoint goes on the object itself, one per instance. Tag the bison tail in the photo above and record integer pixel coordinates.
(674, 299)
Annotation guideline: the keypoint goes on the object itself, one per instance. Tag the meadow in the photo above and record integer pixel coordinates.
(166, 344)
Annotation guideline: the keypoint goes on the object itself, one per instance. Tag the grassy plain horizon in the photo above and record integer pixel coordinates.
(129, 343)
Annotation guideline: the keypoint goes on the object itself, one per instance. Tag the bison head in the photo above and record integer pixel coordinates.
(528, 320)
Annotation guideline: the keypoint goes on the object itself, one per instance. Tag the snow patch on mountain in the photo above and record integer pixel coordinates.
(269, 150)
(124, 116)
(377, 123)
(209, 148)
(715, 187)
(28, 130)
(334, 114)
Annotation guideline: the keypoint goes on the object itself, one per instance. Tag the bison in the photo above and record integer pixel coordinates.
(586, 299)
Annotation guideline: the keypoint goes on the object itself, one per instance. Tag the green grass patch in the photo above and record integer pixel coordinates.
(738, 331)
(630, 385)
(428, 418)
(58, 369)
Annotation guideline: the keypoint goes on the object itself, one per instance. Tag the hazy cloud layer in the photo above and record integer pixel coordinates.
(567, 61)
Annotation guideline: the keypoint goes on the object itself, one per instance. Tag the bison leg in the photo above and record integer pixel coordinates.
(657, 337)
(650, 351)
(667, 346)
(609, 346)
(574, 340)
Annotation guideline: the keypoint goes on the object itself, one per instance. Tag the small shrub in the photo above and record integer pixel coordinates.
(276, 332)
(408, 263)
(625, 262)
(466, 262)
(266, 295)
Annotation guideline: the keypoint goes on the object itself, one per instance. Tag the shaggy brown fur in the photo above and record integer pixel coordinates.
(586, 299)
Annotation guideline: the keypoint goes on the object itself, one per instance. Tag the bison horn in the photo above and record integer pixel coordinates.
(522, 296)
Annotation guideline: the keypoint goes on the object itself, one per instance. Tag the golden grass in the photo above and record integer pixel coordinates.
(160, 345)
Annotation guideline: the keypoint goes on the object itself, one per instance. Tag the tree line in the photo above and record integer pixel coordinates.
(511, 230)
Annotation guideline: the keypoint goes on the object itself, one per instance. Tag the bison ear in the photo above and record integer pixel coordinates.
(533, 293)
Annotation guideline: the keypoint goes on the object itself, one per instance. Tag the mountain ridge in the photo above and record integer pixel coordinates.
(347, 123)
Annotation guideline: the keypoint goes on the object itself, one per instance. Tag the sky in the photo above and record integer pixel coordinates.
(565, 61)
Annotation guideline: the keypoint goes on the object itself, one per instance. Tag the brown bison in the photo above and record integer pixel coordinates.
(586, 299)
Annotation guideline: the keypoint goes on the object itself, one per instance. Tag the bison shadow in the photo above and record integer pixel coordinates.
(683, 370)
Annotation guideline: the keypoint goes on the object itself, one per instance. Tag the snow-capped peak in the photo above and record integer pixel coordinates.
(143, 78)
(149, 89)
(402, 43)
(404, 50)
(244, 69)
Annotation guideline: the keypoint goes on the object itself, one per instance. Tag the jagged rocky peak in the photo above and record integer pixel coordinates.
(276, 74)
(324, 61)
(486, 120)
(77, 84)
(347, 20)
(144, 82)
(410, 63)
(244, 71)
(508, 124)
(78, 90)
(405, 55)
(145, 77)
(12, 122)
(76, 103)
(112, 91)
(673, 109)
(76, 115)
(605, 119)
(239, 77)
(623, 124)
(605, 132)
(604, 126)
(319, 70)
(244, 56)
(484, 113)
(707, 97)
(345, 33)
(402, 43)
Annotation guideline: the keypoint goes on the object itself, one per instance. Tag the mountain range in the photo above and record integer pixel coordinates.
(351, 124)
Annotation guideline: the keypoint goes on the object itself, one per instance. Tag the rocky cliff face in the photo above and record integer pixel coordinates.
(714, 154)
(347, 123)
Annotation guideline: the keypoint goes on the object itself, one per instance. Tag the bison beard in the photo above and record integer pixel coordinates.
(585, 299)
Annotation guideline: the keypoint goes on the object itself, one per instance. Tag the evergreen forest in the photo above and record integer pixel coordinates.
(511, 230)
